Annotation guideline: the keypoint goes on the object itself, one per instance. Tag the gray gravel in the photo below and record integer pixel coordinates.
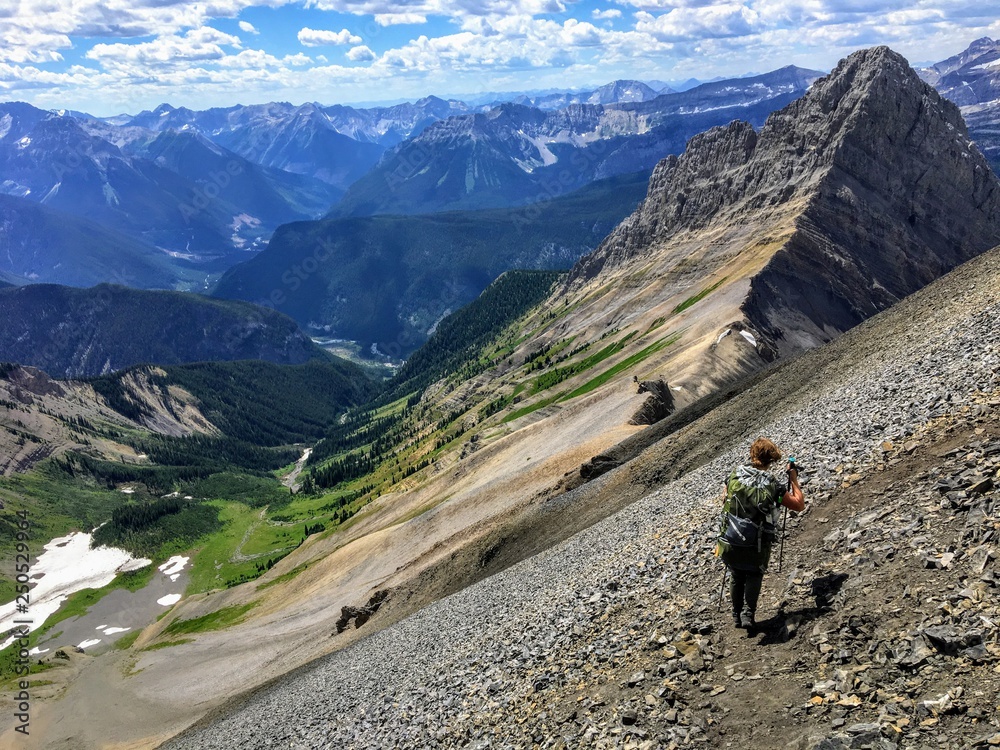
(462, 671)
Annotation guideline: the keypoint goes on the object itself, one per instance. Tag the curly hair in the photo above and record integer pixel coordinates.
(763, 453)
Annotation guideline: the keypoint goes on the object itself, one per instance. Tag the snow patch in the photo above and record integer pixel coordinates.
(53, 192)
(88, 643)
(110, 195)
(723, 335)
(749, 337)
(112, 631)
(168, 600)
(66, 565)
(174, 566)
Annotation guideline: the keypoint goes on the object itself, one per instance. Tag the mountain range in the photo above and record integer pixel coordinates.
(515, 154)
(41, 244)
(754, 244)
(971, 79)
(615, 92)
(181, 196)
(388, 280)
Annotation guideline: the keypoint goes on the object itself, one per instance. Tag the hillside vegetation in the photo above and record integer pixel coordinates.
(258, 402)
(41, 243)
(72, 332)
(387, 280)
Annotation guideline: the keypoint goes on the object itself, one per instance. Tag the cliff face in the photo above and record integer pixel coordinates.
(886, 189)
(907, 198)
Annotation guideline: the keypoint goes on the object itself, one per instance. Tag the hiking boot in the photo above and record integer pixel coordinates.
(747, 620)
(736, 619)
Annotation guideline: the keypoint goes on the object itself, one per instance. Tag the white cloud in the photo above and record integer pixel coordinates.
(580, 33)
(121, 18)
(495, 43)
(31, 45)
(686, 24)
(389, 12)
(360, 54)
(398, 19)
(198, 45)
(248, 28)
(320, 38)
(259, 59)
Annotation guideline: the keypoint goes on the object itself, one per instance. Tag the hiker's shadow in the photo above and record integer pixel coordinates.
(788, 624)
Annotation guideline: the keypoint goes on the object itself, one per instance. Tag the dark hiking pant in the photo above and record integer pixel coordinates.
(744, 590)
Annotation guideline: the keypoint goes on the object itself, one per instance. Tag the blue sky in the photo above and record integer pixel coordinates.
(111, 56)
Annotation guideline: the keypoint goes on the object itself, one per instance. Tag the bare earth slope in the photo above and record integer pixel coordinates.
(889, 631)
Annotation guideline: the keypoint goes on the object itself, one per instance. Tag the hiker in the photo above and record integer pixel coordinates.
(749, 519)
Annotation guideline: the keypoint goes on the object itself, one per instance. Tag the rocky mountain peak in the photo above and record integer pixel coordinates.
(871, 122)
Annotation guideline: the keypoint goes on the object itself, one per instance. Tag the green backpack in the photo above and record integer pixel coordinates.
(746, 511)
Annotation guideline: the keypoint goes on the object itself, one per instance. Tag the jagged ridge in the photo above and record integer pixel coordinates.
(888, 189)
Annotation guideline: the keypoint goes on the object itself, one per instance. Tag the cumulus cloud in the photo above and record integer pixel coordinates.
(197, 45)
(360, 54)
(320, 38)
(122, 19)
(685, 24)
(493, 43)
(417, 11)
(398, 19)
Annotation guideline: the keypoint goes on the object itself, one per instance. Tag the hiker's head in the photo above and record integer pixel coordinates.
(763, 453)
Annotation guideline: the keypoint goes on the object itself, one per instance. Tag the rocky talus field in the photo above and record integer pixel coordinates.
(880, 631)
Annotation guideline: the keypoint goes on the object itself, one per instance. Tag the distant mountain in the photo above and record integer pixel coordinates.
(387, 280)
(610, 93)
(41, 244)
(72, 332)
(515, 154)
(53, 160)
(335, 144)
(971, 79)
(266, 196)
(191, 198)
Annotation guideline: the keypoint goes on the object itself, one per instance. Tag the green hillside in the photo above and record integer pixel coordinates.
(71, 332)
(386, 280)
(262, 403)
(51, 246)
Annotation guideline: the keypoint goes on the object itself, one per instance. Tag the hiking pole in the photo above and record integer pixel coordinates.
(781, 553)
(722, 591)
(784, 518)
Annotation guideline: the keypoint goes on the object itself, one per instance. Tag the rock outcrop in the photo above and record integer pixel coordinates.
(658, 405)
